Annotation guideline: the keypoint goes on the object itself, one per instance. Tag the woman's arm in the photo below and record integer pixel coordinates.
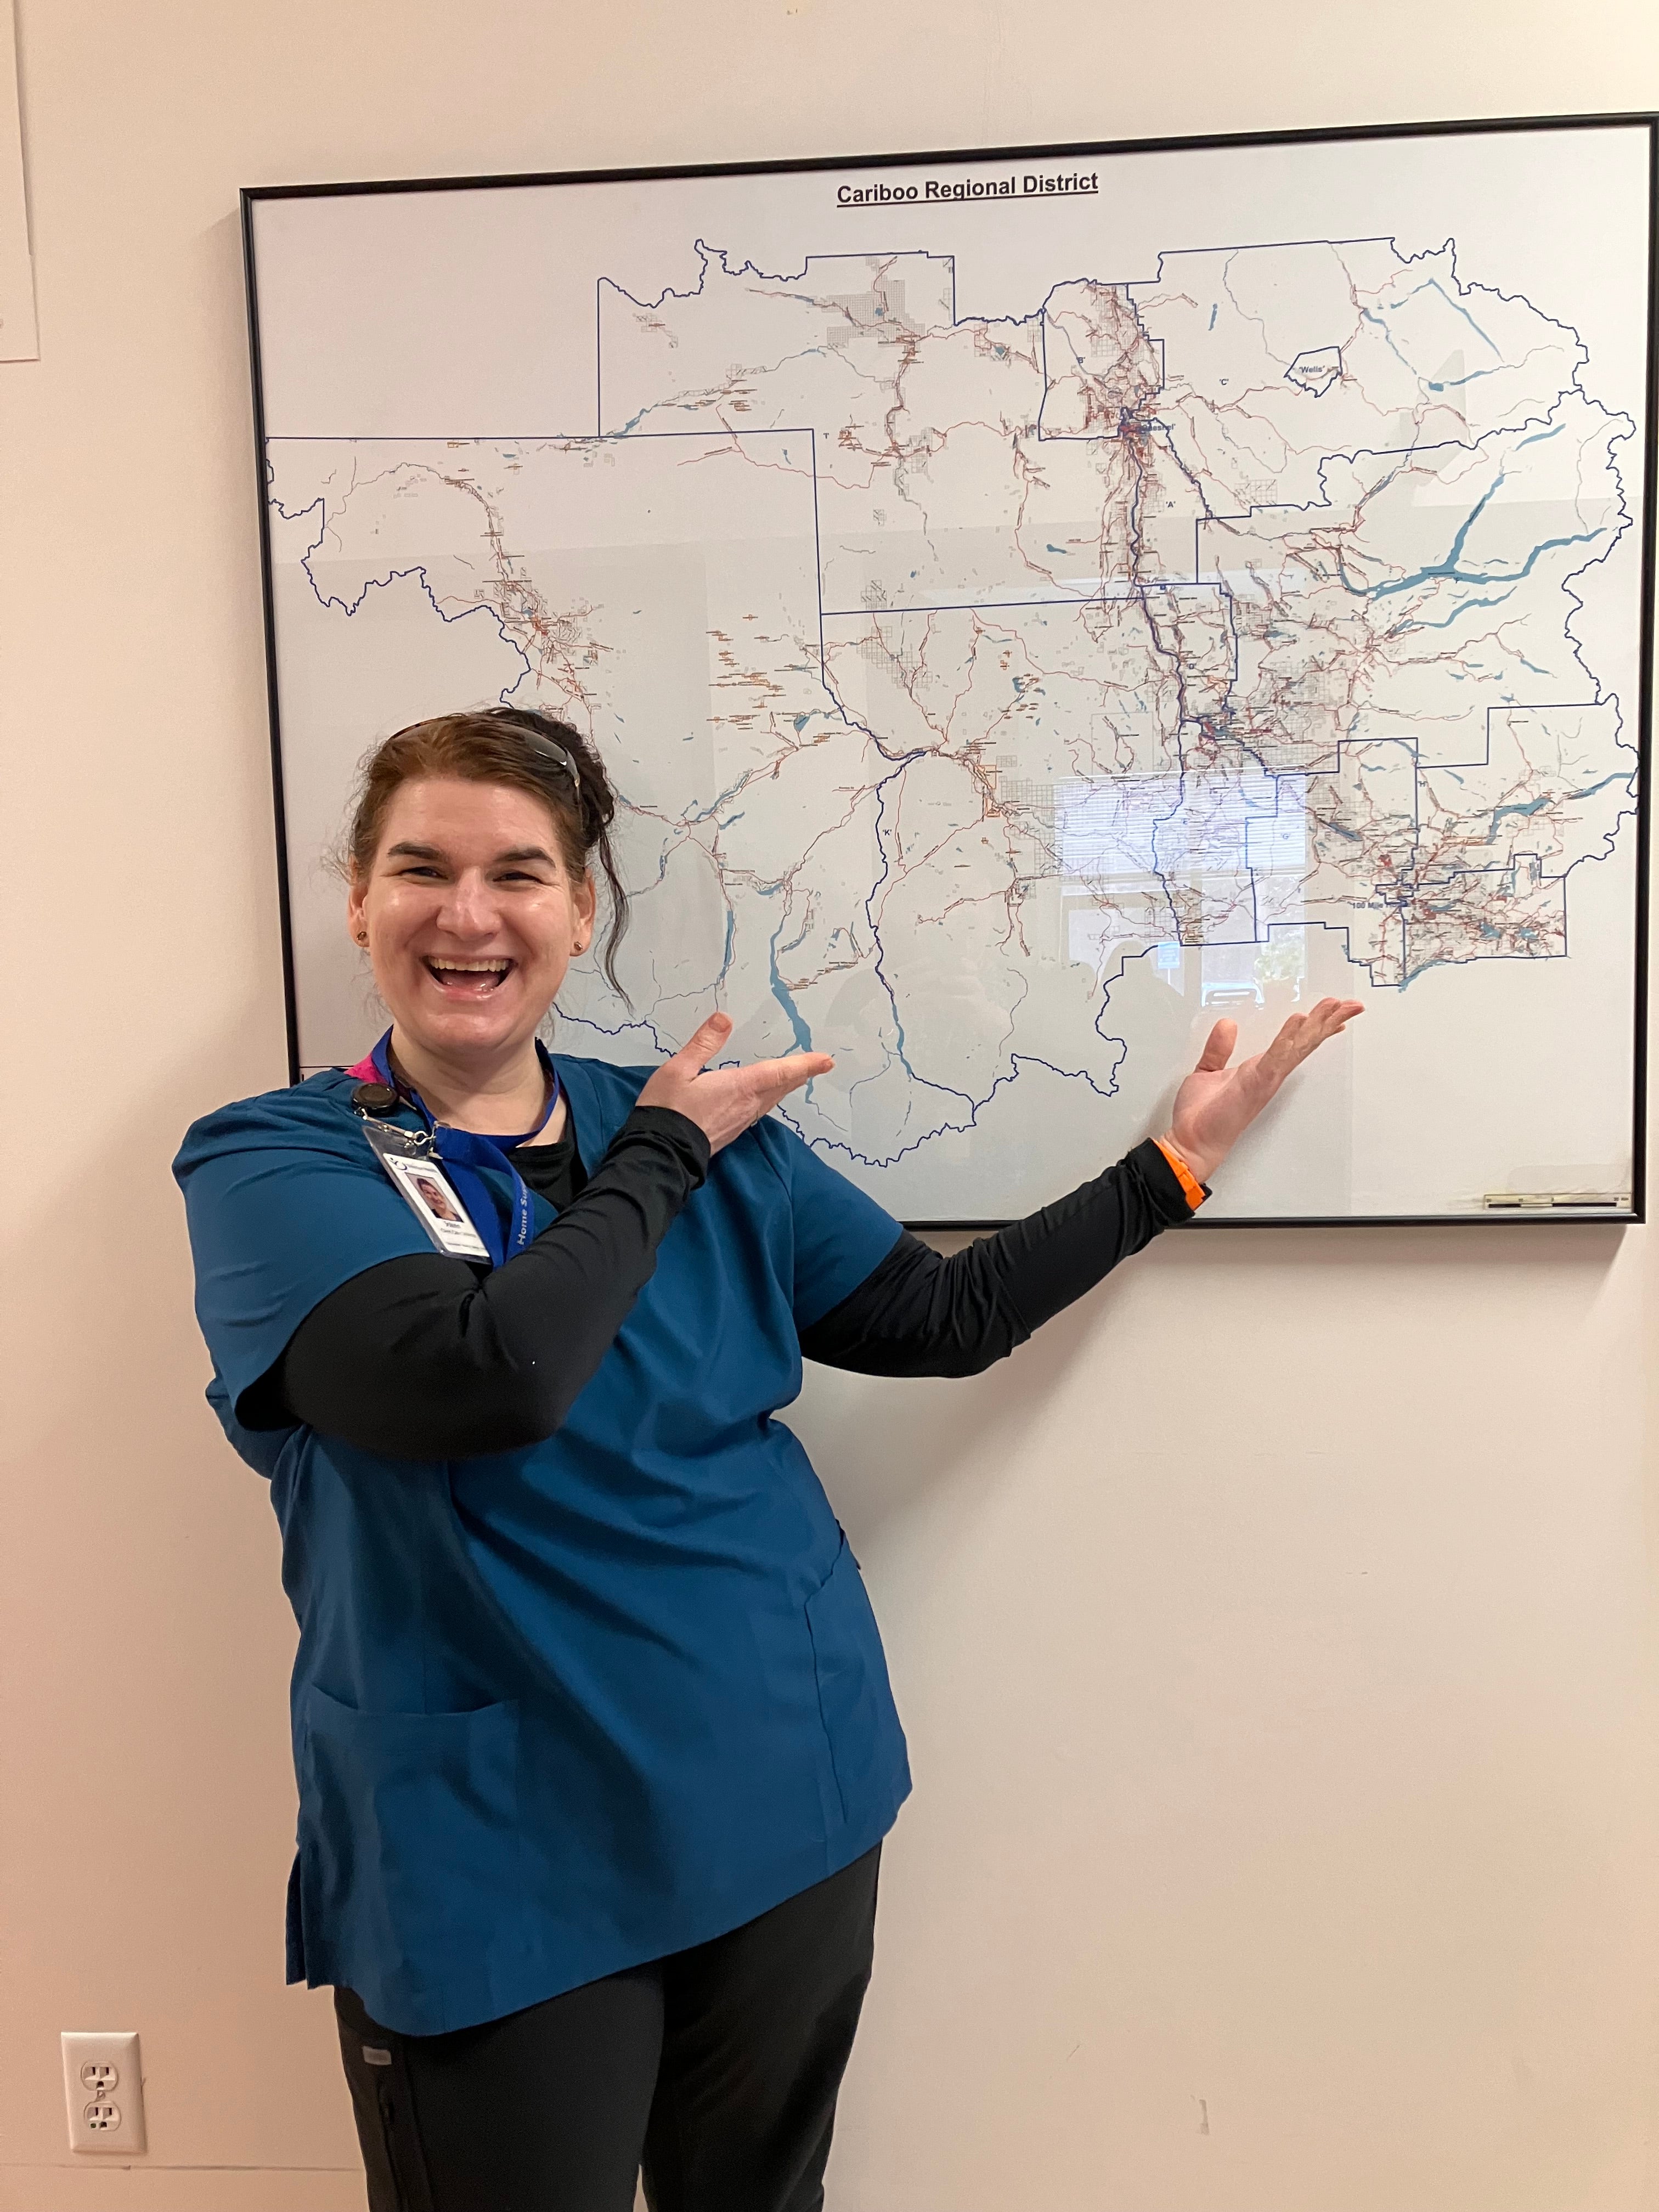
(421, 1358)
(919, 1313)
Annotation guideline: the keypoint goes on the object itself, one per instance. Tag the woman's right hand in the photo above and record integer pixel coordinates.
(724, 1102)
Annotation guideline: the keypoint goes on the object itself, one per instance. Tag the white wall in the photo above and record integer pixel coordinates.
(1276, 1634)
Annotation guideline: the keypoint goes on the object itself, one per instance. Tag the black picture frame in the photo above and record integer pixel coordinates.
(252, 196)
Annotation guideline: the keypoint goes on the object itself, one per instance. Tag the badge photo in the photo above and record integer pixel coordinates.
(437, 1208)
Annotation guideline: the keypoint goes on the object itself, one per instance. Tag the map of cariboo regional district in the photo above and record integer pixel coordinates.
(947, 665)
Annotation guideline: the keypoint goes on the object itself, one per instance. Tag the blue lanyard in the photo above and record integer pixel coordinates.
(464, 1152)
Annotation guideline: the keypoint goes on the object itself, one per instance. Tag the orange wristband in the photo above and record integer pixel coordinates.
(1183, 1175)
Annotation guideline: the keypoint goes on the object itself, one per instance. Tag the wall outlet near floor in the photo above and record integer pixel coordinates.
(105, 2092)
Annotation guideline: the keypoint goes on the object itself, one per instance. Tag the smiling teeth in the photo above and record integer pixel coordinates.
(473, 967)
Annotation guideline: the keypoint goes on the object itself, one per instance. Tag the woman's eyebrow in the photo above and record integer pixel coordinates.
(409, 849)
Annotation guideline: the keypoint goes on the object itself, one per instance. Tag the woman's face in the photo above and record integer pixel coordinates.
(470, 914)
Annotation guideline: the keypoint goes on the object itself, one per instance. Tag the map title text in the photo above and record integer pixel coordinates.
(1027, 184)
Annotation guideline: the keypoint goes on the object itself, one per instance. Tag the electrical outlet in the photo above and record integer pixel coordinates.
(104, 2090)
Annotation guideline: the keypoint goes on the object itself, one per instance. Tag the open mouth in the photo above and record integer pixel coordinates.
(468, 979)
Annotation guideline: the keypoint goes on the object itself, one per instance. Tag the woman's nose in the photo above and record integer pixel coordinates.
(470, 907)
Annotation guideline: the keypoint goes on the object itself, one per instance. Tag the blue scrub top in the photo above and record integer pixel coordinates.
(561, 1711)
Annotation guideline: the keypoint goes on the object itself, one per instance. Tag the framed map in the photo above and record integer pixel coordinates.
(1031, 602)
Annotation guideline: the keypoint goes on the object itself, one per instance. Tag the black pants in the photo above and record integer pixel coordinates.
(716, 2069)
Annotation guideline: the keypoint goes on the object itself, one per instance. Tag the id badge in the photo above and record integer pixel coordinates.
(415, 1170)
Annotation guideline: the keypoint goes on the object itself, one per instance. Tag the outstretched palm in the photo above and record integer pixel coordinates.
(1216, 1103)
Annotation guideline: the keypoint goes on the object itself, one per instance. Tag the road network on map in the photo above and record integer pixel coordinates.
(948, 665)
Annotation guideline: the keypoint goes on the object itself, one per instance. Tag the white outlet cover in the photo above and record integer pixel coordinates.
(104, 2090)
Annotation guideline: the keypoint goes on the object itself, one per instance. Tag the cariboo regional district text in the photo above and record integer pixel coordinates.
(1030, 185)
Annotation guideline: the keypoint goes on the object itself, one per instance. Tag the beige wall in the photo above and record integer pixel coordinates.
(1276, 1636)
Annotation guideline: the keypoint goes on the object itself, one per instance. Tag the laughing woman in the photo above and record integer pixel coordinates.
(593, 1736)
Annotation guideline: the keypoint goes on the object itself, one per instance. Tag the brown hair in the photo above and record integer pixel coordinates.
(515, 745)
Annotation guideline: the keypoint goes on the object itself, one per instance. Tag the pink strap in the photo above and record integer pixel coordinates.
(365, 1071)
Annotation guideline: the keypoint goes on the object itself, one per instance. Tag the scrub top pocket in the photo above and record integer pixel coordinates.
(866, 1742)
(410, 1844)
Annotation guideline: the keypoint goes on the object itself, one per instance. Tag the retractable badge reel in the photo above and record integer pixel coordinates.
(407, 1157)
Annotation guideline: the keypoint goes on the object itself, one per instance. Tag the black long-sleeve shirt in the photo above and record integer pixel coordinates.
(433, 1357)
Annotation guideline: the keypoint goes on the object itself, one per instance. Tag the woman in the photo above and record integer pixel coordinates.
(593, 1729)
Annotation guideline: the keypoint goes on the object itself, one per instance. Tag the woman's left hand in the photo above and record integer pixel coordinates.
(1216, 1103)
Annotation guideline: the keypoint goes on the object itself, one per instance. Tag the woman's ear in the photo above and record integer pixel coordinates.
(586, 903)
(356, 920)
